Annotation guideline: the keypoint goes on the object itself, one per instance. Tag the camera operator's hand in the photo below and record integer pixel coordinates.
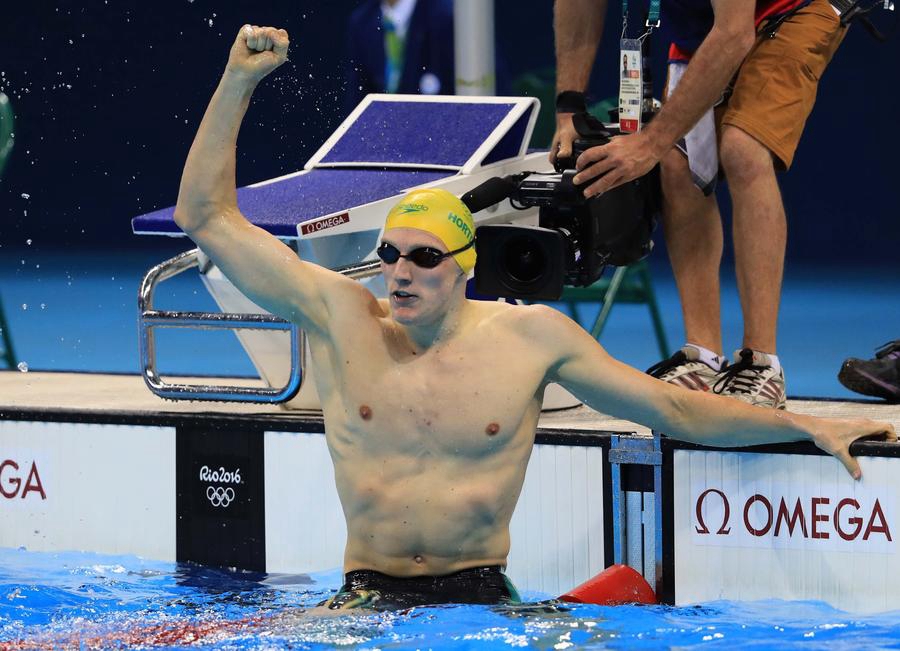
(256, 52)
(565, 135)
(623, 159)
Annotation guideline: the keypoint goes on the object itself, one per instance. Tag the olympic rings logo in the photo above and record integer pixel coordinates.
(220, 496)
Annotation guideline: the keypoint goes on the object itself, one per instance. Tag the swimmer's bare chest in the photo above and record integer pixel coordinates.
(463, 400)
(429, 447)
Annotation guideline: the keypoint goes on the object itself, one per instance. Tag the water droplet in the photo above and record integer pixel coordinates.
(24, 306)
(22, 366)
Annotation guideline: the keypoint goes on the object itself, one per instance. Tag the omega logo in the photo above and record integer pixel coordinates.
(12, 484)
(322, 224)
(815, 519)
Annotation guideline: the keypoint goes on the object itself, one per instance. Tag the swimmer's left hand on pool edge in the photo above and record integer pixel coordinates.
(834, 435)
(257, 51)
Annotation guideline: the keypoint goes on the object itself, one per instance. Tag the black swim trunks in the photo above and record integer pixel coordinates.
(370, 589)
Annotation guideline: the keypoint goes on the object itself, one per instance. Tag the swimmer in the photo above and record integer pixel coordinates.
(431, 400)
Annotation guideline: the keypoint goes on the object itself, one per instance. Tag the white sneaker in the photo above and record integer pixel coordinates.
(752, 379)
(685, 369)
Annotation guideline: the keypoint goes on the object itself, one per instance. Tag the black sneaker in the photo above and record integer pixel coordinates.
(879, 377)
(685, 369)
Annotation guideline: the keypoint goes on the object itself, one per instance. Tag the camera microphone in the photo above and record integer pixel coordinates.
(492, 191)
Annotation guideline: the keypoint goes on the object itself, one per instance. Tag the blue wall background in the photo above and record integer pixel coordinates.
(108, 97)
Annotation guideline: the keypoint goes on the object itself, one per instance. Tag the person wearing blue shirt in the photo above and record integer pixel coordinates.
(400, 46)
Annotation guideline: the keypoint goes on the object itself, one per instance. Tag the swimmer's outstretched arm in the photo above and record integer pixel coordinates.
(261, 266)
(581, 365)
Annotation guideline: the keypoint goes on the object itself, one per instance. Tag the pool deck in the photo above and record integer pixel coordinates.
(127, 394)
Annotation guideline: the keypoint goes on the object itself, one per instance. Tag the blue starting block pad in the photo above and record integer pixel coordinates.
(388, 145)
(280, 206)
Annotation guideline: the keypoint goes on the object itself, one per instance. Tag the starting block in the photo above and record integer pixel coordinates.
(332, 213)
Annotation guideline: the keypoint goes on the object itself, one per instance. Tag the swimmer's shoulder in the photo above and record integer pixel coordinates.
(352, 300)
(534, 320)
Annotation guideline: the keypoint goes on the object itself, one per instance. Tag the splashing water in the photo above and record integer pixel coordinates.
(63, 600)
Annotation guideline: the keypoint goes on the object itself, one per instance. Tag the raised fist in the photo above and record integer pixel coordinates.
(257, 51)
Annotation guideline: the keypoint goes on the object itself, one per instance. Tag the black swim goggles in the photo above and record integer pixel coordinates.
(424, 256)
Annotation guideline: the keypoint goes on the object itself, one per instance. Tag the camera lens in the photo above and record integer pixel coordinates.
(524, 259)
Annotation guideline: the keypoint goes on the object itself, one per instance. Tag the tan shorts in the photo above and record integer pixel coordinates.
(775, 88)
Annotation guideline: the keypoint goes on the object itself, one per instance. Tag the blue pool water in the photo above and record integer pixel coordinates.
(77, 600)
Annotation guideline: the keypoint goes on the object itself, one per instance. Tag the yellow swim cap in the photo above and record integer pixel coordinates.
(443, 215)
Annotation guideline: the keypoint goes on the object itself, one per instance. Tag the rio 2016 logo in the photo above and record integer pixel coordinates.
(220, 496)
(220, 475)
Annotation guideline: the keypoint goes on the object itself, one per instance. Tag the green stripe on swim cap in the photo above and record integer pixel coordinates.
(440, 213)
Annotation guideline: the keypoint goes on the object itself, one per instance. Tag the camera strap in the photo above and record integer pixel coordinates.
(652, 21)
(634, 70)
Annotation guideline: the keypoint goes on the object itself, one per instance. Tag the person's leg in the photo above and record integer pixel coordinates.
(759, 232)
(693, 231)
(772, 97)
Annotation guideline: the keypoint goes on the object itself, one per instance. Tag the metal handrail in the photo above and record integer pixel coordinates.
(150, 318)
(7, 139)
(7, 130)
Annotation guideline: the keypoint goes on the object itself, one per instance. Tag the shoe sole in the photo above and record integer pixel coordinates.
(859, 381)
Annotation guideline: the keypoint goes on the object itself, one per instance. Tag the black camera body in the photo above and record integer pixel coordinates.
(576, 238)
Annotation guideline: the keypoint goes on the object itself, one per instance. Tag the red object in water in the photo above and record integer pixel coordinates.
(616, 585)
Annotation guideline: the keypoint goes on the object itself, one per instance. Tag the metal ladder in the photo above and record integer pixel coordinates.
(7, 121)
(636, 476)
(150, 318)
